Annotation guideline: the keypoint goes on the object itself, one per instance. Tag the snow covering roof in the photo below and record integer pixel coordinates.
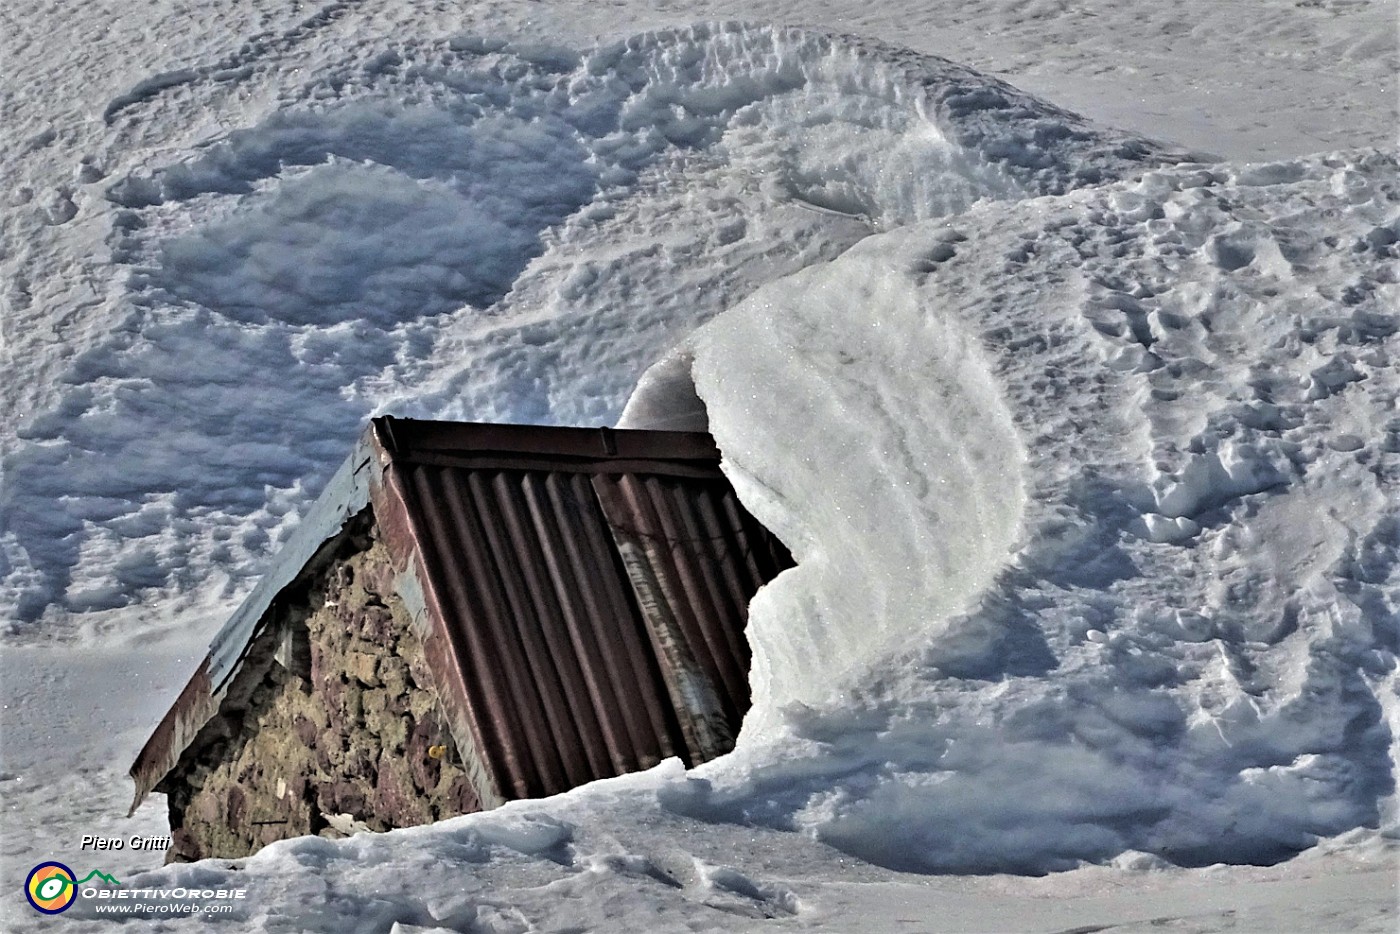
(580, 594)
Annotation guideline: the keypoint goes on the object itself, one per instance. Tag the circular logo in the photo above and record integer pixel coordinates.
(50, 888)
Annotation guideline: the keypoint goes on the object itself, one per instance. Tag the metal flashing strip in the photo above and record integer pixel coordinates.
(408, 439)
(345, 495)
(196, 706)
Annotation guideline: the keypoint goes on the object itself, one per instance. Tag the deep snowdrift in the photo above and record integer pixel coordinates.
(1176, 400)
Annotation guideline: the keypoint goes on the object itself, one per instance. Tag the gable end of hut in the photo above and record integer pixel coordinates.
(332, 723)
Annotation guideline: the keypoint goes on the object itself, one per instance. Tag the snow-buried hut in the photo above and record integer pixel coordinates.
(468, 615)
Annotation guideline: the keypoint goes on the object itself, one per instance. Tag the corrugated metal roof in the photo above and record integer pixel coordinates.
(580, 594)
(694, 558)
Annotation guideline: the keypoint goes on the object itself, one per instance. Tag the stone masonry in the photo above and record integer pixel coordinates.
(336, 723)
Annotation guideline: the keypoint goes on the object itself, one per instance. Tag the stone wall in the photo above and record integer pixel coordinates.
(335, 723)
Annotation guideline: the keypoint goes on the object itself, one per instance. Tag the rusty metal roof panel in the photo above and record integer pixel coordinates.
(695, 558)
(557, 664)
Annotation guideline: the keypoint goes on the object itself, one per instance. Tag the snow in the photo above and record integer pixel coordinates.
(349, 251)
(974, 475)
(1087, 445)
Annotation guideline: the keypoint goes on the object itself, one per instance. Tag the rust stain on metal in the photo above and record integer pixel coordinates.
(694, 558)
(191, 711)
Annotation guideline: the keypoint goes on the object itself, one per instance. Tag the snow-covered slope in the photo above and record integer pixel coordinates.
(1116, 475)
(1097, 562)
(460, 228)
(608, 859)
(1089, 455)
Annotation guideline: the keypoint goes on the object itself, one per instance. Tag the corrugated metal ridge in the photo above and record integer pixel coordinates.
(418, 440)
